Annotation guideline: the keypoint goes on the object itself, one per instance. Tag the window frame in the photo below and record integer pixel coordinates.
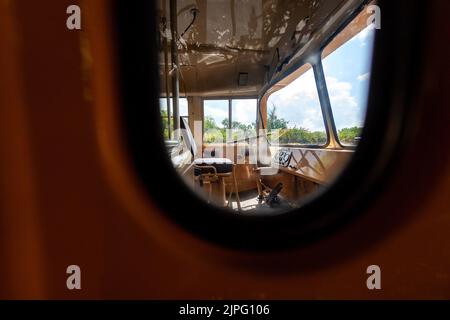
(315, 60)
(285, 75)
(171, 114)
(230, 109)
(338, 31)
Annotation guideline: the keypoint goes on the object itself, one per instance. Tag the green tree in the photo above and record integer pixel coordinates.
(212, 132)
(165, 122)
(350, 135)
(240, 130)
(210, 123)
(293, 135)
(302, 136)
(273, 122)
(225, 123)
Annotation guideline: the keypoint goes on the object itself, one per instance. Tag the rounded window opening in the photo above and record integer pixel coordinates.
(263, 107)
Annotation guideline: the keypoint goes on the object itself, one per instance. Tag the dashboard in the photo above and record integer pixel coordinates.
(316, 165)
(283, 158)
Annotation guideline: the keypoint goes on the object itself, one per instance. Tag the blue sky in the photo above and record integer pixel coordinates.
(350, 64)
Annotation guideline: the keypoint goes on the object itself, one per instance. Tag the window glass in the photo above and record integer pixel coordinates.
(215, 120)
(347, 71)
(183, 106)
(243, 118)
(295, 111)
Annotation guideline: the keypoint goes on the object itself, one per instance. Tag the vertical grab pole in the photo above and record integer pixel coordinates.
(176, 67)
(166, 71)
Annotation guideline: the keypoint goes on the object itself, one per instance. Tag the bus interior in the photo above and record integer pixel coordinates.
(263, 102)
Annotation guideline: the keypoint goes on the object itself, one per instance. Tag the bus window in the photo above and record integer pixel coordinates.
(215, 115)
(216, 119)
(164, 116)
(347, 70)
(295, 111)
(243, 115)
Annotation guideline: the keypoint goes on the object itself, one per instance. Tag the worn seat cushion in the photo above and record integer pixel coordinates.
(222, 165)
(268, 171)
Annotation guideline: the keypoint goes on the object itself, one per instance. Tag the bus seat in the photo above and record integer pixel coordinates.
(211, 169)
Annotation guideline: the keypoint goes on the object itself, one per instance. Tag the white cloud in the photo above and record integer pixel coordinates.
(244, 111)
(299, 103)
(218, 110)
(365, 33)
(183, 105)
(346, 110)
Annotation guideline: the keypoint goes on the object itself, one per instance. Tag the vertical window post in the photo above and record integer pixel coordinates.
(230, 114)
(325, 103)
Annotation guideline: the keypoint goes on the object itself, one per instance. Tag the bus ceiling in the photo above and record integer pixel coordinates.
(241, 48)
